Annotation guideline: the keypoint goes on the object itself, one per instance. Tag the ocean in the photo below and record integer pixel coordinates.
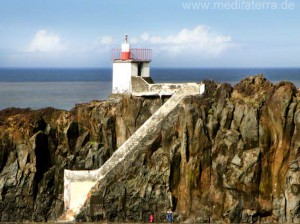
(62, 88)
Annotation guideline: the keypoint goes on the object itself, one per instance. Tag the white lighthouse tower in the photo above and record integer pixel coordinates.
(127, 63)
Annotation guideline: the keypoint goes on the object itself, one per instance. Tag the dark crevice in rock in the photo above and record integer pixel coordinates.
(286, 113)
(175, 171)
(231, 118)
(3, 155)
(137, 116)
(174, 203)
(200, 173)
(187, 150)
(104, 155)
(43, 159)
(72, 135)
(111, 133)
(100, 133)
(40, 125)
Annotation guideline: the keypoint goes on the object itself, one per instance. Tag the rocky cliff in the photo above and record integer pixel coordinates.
(230, 155)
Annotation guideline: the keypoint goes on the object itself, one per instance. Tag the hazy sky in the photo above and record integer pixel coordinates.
(201, 33)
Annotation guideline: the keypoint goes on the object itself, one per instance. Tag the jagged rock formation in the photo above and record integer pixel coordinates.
(230, 155)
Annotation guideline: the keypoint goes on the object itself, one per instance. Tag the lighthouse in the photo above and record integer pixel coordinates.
(127, 63)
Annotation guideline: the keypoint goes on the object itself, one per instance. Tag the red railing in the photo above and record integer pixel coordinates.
(135, 54)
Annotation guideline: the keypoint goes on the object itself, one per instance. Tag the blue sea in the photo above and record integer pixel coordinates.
(63, 88)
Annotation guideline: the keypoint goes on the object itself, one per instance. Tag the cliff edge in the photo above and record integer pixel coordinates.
(230, 155)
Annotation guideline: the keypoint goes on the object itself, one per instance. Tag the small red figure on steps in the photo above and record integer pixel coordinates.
(151, 219)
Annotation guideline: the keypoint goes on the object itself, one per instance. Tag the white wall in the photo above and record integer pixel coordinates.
(122, 72)
(78, 193)
(146, 69)
(121, 77)
(202, 88)
(134, 67)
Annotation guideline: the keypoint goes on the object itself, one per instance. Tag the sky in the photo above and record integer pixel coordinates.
(181, 33)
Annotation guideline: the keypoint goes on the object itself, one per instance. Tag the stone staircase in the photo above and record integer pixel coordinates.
(78, 184)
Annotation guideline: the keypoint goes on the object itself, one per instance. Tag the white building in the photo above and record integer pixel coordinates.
(128, 63)
(131, 74)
